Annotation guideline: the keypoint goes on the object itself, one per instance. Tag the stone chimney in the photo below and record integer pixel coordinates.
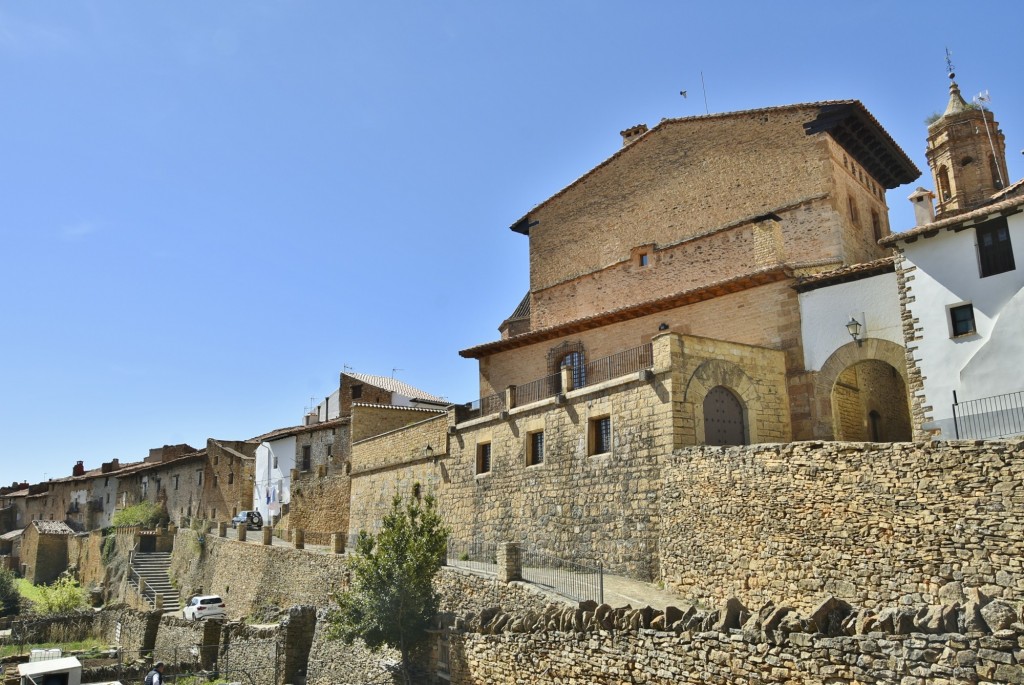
(631, 134)
(924, 210)
(79, 469)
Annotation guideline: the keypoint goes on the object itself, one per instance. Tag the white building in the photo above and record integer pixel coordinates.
(275, 459)
(961, 291)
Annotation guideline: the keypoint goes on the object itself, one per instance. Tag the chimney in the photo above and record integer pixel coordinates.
(924, 210)
(631, 134)
(79, 469)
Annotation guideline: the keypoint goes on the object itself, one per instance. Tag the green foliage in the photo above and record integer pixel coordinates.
(63, 596)
(392, 600)
(10, 598)
(147, 515)
(108, 549)
(932, 118)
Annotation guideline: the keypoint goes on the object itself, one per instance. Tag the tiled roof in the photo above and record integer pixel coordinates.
(398, 407)
(53, 528)
(395, 385)
(12, 535)
(911, 170)
(278, 433)
(633, 311)
(844, 274)
(522, 311)
(1008, 206)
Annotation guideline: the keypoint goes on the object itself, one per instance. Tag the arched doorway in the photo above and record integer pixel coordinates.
(724, 418)
(869, 404)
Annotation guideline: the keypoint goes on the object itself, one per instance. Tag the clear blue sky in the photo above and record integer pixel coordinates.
(208, 208)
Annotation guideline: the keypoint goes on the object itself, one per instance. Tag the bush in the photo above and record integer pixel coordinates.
(10, 598)
(108, 549)
(147, 515)
(63, 596)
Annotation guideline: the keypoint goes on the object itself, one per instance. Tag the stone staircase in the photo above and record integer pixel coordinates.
(152, 568)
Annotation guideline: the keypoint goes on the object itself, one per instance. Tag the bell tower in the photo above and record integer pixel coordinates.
(967, 154)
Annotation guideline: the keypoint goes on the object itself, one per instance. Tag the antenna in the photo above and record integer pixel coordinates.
(949, 63)
(346, 367)
(706, 110)
(980, 99)
(394, 370)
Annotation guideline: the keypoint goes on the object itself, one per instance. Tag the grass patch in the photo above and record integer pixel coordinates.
(28, 590)
(89, 645)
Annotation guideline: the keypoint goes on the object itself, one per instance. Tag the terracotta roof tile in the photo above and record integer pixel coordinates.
(1010, 206)
(53, 528)
(844, 274)
(395, 385)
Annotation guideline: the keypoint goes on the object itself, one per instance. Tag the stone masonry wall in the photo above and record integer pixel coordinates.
(836, 644)
(391, 463)
(320, 506)
(873, 524)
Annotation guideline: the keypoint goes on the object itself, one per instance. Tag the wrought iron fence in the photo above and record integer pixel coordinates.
(998, 416)
(485, 406)
(537, 390)
(476, 555)
(570, 579)
(619, 364)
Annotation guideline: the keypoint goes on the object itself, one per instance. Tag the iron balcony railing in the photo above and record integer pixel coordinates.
(485, 406)
(537, 390)
(618, 364)
(571, 579)
(998, 416)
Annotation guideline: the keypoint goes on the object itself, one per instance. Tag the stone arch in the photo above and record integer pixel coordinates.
(717, 372)
(851, 354)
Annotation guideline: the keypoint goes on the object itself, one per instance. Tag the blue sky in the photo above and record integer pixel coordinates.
(209, 208)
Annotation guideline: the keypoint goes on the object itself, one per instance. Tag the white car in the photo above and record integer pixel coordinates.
(203, 607)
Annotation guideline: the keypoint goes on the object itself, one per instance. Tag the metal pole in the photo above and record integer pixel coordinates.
(600, 579)
(956, 427)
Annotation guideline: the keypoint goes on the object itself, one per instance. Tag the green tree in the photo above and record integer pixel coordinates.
(62, 596)
(392, 600)
(10, 598)
(145, 514)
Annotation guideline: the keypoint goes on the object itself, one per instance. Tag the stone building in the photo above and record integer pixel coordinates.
(44, 551)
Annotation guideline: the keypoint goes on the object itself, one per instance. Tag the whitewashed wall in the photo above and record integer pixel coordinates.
(268, 477)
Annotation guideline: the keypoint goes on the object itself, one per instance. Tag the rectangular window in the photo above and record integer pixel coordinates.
(483, 458)
(876, 225)
(330, 449)
(961, 320)
(306, 458)
(199, 475)
(275, 461)
(995, 253)
(357, 392)
(854, 216)
(175, 482)
(601, 435)
(644, 260)
(535, 449)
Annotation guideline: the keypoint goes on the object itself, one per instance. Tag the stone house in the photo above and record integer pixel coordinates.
(227, 482)
(12, 506)
(10, 550)
(44, 551)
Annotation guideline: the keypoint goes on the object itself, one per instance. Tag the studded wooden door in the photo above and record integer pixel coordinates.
(723, 418)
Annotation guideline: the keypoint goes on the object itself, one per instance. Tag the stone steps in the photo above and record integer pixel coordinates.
(152, 567)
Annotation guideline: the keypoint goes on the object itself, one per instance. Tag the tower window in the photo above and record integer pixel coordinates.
(943, 178)
(995, 252)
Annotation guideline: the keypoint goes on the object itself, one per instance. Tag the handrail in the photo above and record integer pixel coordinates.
(998, 416)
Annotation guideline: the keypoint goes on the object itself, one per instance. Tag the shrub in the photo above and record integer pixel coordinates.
(10, 598)
(144, 514)
(63, 596)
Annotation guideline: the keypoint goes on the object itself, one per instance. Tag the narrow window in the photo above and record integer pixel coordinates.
(601, 435)
(644, 259)
(876, 225)
(852, 204)
(329, 449)
(995, 253)
(357, 392)
(961, 320)
(579, 368)
(231, 479)
(216, 459)
(306, 457)
(943, 177)
(216, 480)
(483, 458)
(875, 425)
(275, 461)
(175, 482)
(200, 477)
(535, 449)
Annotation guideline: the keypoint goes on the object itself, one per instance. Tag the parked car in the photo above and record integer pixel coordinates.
(202, 607)
(252, 520)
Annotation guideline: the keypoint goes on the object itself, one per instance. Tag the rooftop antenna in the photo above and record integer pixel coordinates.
(394, 370)
(980, 99)
(949, 64)
(706, 110)
(346, 367)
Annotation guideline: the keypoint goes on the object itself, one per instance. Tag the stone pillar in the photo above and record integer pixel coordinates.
(172, 529)
(667, 346)
(159, 601)
(510, 564)
(268, 535)
(287, 534)
(566, 372)
(510, 397)
(222, 530)
(299, 538)
(241, 530)
(338, 543)
(142, 585)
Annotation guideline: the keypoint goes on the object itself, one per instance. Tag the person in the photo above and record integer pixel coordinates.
(156, 676)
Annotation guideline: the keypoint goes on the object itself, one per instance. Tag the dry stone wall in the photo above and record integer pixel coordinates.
(874, 524)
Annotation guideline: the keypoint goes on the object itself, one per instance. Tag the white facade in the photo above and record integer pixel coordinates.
(275, 460)
(873, 301)
(978, 365)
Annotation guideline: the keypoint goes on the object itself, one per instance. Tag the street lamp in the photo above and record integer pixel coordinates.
(853, 327)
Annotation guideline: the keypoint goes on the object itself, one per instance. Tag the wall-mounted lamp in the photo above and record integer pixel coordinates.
(853, 327)
(428, 452)
(663, 327)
